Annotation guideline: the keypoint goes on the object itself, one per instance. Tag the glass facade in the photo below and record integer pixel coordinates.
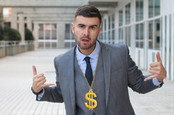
(111, 29)
(47, 36)
(121, 18)
(139, 10)
(113, 37)
(139, 35)
(105, 31)
(154, 8)
(101, 33)
(121, 39)
(69, 40)
(107, 34)
(154, 34)
(128, 14)
(120, 30)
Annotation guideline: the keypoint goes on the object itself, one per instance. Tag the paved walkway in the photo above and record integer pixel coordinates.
(16, 97)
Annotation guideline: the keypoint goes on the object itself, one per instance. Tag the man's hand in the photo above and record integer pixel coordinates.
(38, 81)
(157, 69)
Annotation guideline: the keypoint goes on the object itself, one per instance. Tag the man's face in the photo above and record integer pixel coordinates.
(86, 30)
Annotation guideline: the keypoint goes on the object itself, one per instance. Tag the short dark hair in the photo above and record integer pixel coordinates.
(88, 11)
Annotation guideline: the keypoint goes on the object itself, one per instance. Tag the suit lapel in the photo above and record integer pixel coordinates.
(71, 80)
(106, 62)
(105, 52)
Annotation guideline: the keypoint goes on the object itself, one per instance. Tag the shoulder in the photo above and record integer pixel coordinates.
(66, 56)
(114, 47)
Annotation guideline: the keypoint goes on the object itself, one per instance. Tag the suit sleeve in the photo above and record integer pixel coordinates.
(136, 78)
(53, 94)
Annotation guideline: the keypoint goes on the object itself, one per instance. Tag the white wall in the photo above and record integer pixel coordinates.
(167, 7)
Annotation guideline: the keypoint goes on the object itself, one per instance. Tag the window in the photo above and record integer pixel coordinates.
(120, 26)
(121, 41)
(109, 29)
(67, 32)
(113, 29)
(47, 29)
(54, 32)
(48, 35)
(154, 8)
(139, 10)
(69, 41)
(41, 32)
(25, 18)
(120, 18)
(128, 14)
(154, 34)
(101, 33)
(105, 31)
(140, 35)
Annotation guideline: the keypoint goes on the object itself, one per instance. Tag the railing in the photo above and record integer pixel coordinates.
(14, 43)
(10, 48)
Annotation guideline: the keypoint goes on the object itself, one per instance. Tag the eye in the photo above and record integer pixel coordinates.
(92, 27)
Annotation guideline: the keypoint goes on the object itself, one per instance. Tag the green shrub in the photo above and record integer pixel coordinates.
(11, 34)
(28, 34)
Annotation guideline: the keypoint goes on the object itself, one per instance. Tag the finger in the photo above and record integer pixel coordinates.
(155, 68)
(149, 78)
(38, 78)
(154, 72)
(41, 83)
(158, 57)
(155, 64)
(34, 70)
(48, 84)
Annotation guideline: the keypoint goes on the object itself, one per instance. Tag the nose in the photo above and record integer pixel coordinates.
(86, 32)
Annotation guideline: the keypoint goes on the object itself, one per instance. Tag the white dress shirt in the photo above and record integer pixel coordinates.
(93, 58)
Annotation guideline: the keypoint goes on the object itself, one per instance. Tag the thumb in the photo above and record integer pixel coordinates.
(158, 57)
(34, 70)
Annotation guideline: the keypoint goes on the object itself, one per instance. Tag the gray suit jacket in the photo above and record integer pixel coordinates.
(120, 72)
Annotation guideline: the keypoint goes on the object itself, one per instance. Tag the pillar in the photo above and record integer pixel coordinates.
(21, 27)
(61, 35)
(14, 19)
(36, 34)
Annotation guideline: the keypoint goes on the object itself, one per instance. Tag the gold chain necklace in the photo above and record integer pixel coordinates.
(90, 95)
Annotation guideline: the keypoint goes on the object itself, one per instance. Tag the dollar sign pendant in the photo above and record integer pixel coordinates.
(92, 102)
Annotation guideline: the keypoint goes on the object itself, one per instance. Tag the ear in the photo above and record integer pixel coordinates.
(72, 27)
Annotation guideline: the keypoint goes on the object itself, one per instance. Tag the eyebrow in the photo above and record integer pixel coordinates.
(85, 25)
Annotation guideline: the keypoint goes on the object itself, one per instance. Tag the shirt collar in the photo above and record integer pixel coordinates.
(93, 55)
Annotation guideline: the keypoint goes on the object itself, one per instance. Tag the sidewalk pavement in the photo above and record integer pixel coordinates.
(16, 97)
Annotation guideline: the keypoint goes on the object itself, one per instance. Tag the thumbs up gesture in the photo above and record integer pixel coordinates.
(39, 81)
(157, 69)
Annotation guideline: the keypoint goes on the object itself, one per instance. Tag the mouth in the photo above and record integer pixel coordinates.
(85, 40)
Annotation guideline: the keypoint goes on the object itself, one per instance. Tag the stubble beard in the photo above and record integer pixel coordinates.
(83, 46)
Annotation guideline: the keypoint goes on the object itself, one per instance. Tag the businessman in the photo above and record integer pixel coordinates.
(93, 77)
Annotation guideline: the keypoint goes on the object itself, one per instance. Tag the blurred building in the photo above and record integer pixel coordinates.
(146, 26)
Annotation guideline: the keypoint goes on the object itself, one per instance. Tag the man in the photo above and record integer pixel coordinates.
(93, 78)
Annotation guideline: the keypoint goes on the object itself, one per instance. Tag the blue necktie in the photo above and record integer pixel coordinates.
(88, 72)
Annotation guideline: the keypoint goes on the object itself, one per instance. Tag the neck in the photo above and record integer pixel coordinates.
(87, 51)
